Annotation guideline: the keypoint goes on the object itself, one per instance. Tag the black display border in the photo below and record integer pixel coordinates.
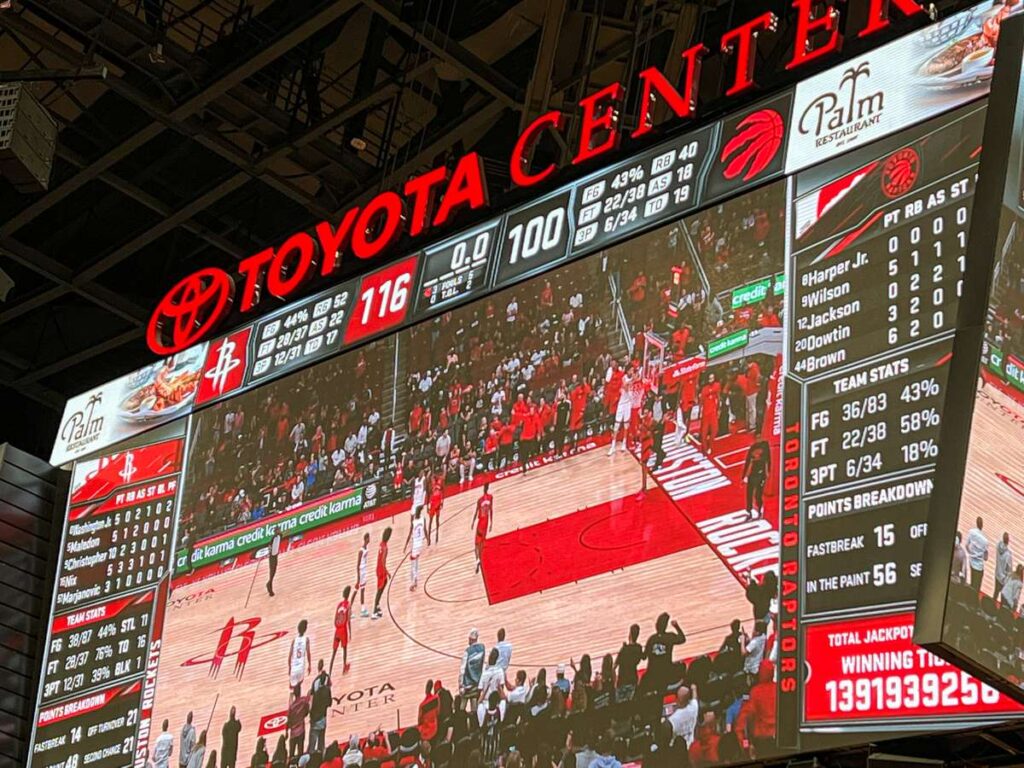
(965, 365)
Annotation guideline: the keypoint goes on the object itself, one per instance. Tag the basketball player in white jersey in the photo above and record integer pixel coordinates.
(362, 568)
(623, 412)
(417, 538)
(299, 659)
(419, 490)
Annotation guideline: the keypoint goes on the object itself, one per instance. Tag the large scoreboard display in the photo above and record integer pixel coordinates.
(698, 391)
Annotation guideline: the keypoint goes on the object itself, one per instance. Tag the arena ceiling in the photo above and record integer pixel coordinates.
(222, 126)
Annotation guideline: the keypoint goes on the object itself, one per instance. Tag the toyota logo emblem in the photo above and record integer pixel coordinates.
(190, 310)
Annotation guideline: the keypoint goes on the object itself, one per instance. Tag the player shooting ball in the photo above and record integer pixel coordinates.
(417, 537)
(342, 631)
(483, 520)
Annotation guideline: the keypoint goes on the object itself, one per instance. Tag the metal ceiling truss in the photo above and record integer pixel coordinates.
(111, 36)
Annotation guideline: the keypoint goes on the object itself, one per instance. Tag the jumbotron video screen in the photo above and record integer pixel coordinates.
(971, 601)
(645, 465)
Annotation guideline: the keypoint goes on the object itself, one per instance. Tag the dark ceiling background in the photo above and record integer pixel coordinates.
(243, 133)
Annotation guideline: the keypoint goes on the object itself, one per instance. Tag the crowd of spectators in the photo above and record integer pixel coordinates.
(640, 704)
(497, 382)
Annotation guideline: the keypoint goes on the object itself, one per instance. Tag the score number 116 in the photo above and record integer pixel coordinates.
(383, 300)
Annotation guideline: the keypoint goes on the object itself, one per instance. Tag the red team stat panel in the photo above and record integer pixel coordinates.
(113, 577)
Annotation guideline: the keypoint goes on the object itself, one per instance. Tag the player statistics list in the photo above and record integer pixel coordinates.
(112, 583)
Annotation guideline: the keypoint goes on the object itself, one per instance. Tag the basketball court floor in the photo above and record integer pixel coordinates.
(572, 560)
(994, 480)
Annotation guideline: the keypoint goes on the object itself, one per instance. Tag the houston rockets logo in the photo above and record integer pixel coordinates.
(190, 310)
(237, 639)
(224, 368)
(757, 141)
(900, 172)
(128, 471)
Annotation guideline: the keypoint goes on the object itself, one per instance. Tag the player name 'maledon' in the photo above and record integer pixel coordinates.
(428, 202)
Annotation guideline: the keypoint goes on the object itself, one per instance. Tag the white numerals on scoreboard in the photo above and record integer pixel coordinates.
(541, 233)
(393, 294)
(951, 689)
(461, 256)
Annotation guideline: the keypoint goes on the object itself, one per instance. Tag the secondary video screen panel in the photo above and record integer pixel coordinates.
(548, 395)
(974, 589)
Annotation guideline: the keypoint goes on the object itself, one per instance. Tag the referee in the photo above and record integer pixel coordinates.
(275, 550)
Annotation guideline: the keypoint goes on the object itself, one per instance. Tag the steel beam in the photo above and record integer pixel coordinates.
(190, 106)
(448, 50)
(61, 276)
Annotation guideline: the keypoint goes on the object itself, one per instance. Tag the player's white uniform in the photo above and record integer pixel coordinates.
(364, 559)
(625, 406)
(419, 535)
(637, 390)
(419, 538)
(299, 654)
(419, 493)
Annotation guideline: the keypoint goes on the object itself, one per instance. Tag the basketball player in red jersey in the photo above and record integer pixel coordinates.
(483, 519)
(434, 510)
(709, 414)
(382, 571)
(342, 631)
(578, 396)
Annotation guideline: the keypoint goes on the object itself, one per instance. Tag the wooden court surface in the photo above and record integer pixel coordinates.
(996, 448)
(422, 634)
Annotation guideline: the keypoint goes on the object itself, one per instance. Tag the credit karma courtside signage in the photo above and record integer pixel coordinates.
(261, 533)
(676, 177)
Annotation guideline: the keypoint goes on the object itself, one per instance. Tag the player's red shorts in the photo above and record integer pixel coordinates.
(481, 536)
(433, 510)
(340, 637)
(382, 579)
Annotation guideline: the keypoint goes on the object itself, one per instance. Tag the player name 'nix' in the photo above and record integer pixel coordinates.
(198, 304)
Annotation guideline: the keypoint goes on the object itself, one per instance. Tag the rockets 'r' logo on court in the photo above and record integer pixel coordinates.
(129, 469)
(238, 639)
(225, 365)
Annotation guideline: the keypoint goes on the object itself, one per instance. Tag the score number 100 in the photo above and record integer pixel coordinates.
(540, 234)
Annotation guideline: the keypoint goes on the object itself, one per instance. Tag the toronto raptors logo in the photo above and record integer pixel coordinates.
(237, 639)
(226, 364)
(190, 310)
(128, 470)
(756, 143)
(900, 172)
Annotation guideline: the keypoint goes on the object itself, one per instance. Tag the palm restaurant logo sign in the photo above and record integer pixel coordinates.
(195, 307)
